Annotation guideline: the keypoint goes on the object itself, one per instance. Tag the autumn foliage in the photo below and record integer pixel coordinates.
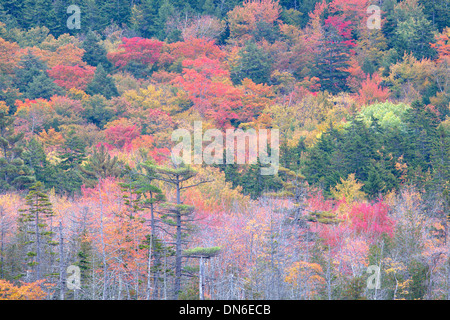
(138, 50)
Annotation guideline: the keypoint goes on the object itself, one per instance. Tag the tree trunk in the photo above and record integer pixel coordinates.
(62, 278)
(102, 241)
(149, 270)
(38, 246)
(200, 277)
(178, 256)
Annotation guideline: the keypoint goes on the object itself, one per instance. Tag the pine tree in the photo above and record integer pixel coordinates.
(139, 193)
(99, 166)
(35, 222)
(177, 214)
(34, 156)
(67, 178)
(209, 7)
(6, 17)
(318, 168)
(440, 160)
(14, 9)
(73, 153)
(413, 31)
(57, 20)
(254, 184)
(97, 110)
(422, 131)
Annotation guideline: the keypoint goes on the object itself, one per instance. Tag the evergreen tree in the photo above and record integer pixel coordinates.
(413, 31)
(94, 54)
(140, 192)
(35, 222)
(34, 157)
(116, 11)
(36, 13)
(354, 289)
(27, 69)
(440, 160)
(422, 132)
(177, 214)
(13, 8)
(253, 63)
(254, 184)
(102, 84)
(100, 166)
(92, 17)
(165, 11)
(68, 178)
(73, 153)
(5, 15)
(332, 60)
(43, 87)
(148, 24)
(14, 174)
(57, 19)
(317, 167)
(437, 13)
(209, 7)
(97, 111)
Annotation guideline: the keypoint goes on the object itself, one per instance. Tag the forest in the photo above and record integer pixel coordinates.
(93, 206)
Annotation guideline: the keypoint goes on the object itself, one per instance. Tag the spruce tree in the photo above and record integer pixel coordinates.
(149, 25)
(42, 87)
(440, 160)
(95, 54)
(14, 174)
(34, 156)
(164, 12)
(92, 17)
(35, 13)
(332, 60)
(97, 110)
(421, 133)
(116, 11)
(102, 84)
(253, 63)
(27, 69)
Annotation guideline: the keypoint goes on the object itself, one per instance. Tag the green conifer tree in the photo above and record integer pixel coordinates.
(102, 84)
(14, 174)
(35, 222)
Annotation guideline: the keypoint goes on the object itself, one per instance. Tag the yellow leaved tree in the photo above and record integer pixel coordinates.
(350, 189)
(27, 291)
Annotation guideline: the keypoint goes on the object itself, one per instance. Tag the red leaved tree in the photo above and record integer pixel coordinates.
(120, 134)
(139, 50)
(207, 84)
(70, 77)
(371, 219)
